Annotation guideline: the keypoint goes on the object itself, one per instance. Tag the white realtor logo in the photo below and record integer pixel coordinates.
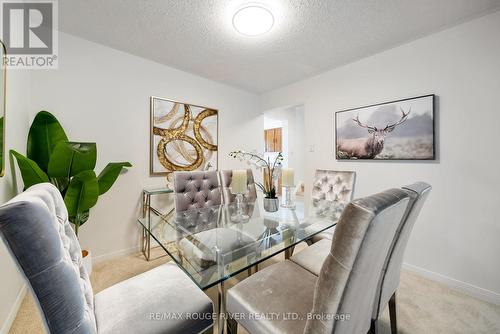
(29, 32)
(35, 20)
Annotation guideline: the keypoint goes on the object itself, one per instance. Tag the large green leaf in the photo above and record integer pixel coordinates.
(109, 175)
(70, 158)
(30, 172)
(45, 132)
(82, 193)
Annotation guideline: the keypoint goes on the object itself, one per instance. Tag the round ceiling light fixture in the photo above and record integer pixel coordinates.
(253, 20)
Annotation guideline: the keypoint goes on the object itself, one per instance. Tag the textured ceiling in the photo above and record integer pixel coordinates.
(308, 37)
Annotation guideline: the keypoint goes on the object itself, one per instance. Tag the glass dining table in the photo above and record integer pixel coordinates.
(215, 243)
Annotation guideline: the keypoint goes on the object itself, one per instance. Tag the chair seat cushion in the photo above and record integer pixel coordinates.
(326, 234)
(312, 257)
(318, 226)
(262, 302)
(201, 248)
(162, 300)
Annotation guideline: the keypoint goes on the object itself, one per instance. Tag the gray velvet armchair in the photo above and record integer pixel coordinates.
(341, 298)
(35, 227)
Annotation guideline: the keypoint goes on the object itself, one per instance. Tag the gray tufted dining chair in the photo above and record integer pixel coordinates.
(35, 228)
(312, 257)
(196, 190)
(332, 191)
(389, 281)
(341, 298)
(226, 177)
(196, 194)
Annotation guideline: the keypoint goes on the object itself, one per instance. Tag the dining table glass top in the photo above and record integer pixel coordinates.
(213, 244)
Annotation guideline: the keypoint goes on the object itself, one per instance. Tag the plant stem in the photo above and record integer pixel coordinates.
(77, 222)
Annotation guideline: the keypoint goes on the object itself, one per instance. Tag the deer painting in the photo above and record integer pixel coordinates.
(370, 147)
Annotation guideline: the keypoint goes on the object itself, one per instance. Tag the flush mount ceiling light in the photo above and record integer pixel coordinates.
(253, 20)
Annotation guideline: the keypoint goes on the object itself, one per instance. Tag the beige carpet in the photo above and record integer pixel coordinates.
(423, 306)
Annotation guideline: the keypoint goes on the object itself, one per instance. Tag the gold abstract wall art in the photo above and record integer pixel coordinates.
(183, 137)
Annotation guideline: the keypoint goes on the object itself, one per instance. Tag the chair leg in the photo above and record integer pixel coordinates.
(289, 252)
(392, 314)
(374, 327)
(232, 326)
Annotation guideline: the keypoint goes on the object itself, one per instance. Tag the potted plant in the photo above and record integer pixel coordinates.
(51, 157)
(272, 171)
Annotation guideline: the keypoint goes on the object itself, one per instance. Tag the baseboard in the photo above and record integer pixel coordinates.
(466, 288)
(13, 311)
(112, 255)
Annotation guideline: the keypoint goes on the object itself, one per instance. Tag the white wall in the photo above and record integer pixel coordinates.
(101, 94)
(18, 92)
(458, 232)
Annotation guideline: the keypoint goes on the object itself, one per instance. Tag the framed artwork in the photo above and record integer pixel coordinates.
(397, 130)
(183, 137)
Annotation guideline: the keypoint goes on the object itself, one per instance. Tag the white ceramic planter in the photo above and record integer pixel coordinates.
(87, 261)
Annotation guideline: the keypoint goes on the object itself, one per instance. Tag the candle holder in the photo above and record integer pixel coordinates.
(288, 203)
(240, 216)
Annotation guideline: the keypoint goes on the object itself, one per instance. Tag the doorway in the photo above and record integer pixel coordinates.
(284, 131)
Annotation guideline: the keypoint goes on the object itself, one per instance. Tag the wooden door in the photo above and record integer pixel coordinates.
(272, 138)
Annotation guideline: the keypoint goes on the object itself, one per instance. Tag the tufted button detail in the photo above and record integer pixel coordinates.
(195, 189)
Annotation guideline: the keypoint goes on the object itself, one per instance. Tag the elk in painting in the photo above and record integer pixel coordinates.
(370, 147)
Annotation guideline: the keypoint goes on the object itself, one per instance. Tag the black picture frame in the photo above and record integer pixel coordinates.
(348, 156)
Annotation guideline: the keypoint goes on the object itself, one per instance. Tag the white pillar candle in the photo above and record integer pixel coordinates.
(239, 182)
(287, 174)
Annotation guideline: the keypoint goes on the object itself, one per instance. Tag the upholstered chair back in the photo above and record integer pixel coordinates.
(389, 281)
(35, 227)
(350, 274)
(226, 177)
(198, 220)
(195, 190)
(332, 191)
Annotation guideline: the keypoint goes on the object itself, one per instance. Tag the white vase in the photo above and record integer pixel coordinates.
(87, 261)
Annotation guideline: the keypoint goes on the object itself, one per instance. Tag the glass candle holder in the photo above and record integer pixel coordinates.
(239, 216)
(288, 202)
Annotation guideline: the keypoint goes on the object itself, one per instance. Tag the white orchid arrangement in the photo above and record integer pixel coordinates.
(272, 170)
